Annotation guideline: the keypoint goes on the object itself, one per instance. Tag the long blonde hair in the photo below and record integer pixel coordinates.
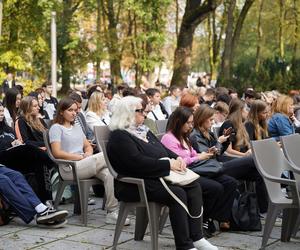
(96, 103)
(260, 127)
(236, 107)
(25, 110)
(281, 104)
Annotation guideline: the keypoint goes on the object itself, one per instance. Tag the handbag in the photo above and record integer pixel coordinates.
(210, 168)
(180, 178)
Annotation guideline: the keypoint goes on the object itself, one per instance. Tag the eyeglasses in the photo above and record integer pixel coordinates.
(142, 111)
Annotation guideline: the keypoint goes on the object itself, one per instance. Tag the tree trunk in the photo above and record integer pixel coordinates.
(177, 18)
(1, 17)
(296, 31)
(98, 44)
(281, 24)
(259, 37)
(65, 39)
(113, 44)
(194, 14)
(225, 74)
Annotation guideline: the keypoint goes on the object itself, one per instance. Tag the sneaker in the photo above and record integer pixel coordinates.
(91, 201)
(111, 218)
(50, 215)
(53, 224)
(206, 232)
(203, 244)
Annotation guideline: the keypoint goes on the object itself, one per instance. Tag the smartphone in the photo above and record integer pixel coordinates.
(212, 150)
(228, 131)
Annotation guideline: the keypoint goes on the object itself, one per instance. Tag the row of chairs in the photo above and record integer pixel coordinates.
(146, 212)
(271, 162)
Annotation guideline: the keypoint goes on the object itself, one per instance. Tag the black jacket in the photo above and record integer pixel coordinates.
(133, 157)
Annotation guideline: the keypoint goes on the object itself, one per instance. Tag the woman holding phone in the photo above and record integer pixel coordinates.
(218, 190)
(242, 168)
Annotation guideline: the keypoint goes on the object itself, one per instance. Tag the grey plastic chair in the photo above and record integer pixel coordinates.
(270, 163)
(82, 192)
(291, 146)
(161, 126)
(145, 211)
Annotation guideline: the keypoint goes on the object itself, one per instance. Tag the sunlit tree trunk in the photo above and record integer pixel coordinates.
(281, 24)
(259, 36)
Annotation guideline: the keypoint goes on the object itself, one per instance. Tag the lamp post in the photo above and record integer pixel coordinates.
(53, 54)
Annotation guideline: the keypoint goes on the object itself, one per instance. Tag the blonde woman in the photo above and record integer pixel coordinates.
(281, 122)
(97, 113)
(29, 126)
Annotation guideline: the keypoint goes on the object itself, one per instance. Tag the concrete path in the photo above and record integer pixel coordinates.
(98, 235)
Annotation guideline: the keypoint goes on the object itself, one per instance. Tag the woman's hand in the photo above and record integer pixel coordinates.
(87, 154)
(16, 143)
(205, 156)
(249, 152)
(223, 138)
(176, 165)
(183, 164)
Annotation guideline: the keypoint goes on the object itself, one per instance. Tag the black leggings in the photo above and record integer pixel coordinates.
(30, 159)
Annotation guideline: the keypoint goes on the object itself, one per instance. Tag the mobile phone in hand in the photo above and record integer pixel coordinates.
(228, 131)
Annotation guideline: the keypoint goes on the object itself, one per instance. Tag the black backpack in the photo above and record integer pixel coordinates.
(245, 213)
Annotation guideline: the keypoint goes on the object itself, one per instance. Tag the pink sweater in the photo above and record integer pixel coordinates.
(172, 143)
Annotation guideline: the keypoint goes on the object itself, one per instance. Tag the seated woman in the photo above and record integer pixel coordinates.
(68, 142)
(29, 126)
(238, 144)
(242, 168)
(281, 122)
(134, 151)
(218, 190)
(24, 158)
(39, 95)
(190, 101)
(97, 114)
(256, 124)
(16, 192)
(11, 103)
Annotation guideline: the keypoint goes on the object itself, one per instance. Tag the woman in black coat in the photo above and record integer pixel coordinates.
(134, 151)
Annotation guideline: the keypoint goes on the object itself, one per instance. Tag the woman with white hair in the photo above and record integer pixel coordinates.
(97, 114)
(134, 151)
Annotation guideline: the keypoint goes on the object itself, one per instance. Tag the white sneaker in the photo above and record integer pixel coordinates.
(203, 244)
(111, 218)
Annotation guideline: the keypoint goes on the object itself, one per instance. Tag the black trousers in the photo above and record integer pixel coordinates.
(185, 229)
(244, 169)
(29, 159)
(218, 195)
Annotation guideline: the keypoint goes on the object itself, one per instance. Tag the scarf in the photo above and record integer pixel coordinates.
(139, 131)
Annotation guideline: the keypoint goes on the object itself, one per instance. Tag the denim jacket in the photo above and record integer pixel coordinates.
(280, 125)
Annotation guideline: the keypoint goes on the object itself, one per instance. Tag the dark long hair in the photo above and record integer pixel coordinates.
(4, 126)
(10, 102)
(176, 121)
(63, 105)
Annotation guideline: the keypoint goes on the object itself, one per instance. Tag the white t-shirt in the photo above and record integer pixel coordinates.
(71, 139)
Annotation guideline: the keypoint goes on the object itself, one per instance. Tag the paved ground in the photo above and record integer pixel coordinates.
(97, 235)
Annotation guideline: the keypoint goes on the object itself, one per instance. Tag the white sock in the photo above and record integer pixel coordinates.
(40, 208)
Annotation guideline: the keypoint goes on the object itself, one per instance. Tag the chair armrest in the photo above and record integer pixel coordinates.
(132, 180)
(61, 161)
(294, 168)
(281, 180)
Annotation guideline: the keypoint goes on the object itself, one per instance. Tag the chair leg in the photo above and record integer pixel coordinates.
(289, 217)
(163, 218)
(85, 187)
(270, 221)
(141, 223)
(297, 224)
(154, 210)
(104, 202)
(123, 212)
(60, 190)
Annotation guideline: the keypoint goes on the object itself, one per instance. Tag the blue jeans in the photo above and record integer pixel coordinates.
(18, 194)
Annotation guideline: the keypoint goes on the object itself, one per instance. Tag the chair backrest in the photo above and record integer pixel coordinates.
(270, 162)
(102, 135)
(161, 126)
(291, 146)
(48, 146)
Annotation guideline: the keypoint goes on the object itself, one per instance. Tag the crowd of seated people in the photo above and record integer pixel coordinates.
(190, 142)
